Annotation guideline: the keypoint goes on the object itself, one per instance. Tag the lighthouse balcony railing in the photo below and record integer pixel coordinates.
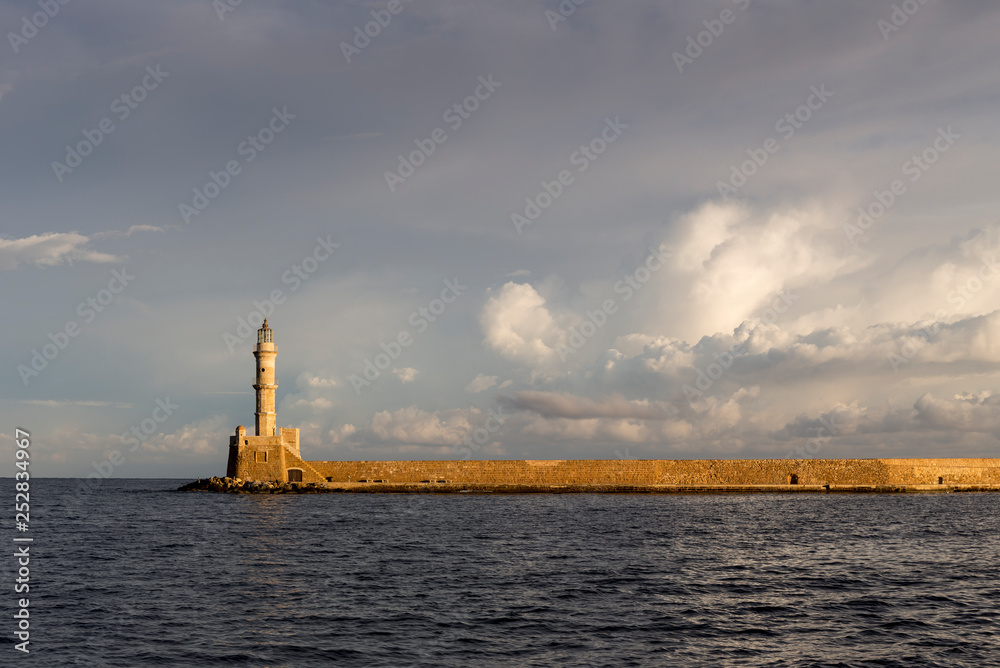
(273, 348)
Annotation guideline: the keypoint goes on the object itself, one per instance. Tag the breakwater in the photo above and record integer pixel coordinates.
(674, 472)
(628, 476)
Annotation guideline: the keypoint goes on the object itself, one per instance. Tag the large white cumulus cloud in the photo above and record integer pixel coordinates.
(518, 325)
(764, 328)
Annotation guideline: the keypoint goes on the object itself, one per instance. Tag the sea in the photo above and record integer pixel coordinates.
(133, 573)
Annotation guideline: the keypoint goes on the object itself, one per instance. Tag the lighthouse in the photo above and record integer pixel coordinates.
(265, 383)
(270, 452)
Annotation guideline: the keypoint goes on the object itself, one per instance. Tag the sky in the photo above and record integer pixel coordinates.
(517, 230)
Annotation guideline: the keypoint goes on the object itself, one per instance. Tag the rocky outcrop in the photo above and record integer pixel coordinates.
(240, 486)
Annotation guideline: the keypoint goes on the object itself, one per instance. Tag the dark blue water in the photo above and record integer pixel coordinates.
(135, 574)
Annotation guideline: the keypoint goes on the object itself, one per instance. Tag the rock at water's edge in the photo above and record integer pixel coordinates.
(240, 486)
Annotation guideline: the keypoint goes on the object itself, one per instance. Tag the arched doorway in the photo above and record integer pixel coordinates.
(294, 475)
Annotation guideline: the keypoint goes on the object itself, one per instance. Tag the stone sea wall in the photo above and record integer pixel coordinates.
(695, 472)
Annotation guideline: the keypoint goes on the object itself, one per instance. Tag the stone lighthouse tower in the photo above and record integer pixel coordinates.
(265, 383)
(271, 452)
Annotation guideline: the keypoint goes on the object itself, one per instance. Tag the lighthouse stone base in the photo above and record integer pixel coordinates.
(266, 457)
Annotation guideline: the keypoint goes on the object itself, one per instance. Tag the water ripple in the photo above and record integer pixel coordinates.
(135, 574)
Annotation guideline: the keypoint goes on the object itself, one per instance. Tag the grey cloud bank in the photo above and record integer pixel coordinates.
(759, 163)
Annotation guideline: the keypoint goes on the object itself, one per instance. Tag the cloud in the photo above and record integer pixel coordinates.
(847, 420)
(733, 259)
(306, 379)
(518, 325)
(130, 231)
(978, 411)
(774, 358)
(565, 405)
(318, 404)
(406, 374)
(595, 429)
(481, 383)
(417, 427)
(206, 436)
(717, 424)
(942, 280)
(342, 434)
(49, 249)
